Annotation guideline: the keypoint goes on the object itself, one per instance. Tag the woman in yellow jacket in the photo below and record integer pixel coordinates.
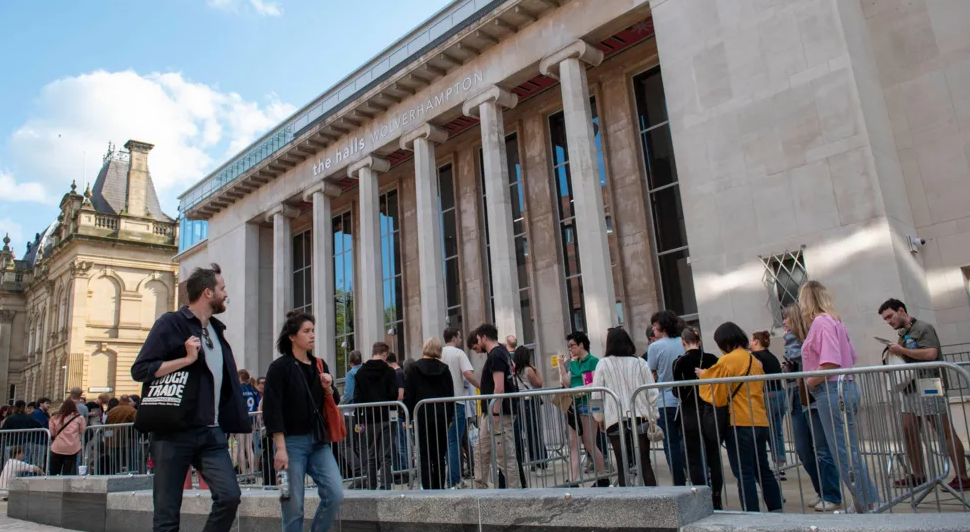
(747, 438)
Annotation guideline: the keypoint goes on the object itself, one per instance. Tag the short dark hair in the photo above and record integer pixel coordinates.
(380, 348)
(43, 400)
(894, 304)
(729, 337)
(31, 405)
(669, 322)
(17, 450)
(391, 357)
(20, 403)
(356, 358)
(450, 334)
(472, 340)
(294, 322)
(619, 343)
(200, 280)
(488, 331)
(580, 338)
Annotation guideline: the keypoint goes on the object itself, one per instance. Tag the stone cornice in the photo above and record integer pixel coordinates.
(582, 50)
(495, 94)
(7, 316)
(433, 134)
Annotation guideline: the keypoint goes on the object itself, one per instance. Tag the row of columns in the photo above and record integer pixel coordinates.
(569, 66)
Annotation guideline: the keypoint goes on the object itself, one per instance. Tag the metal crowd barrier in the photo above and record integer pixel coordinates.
(114, 450)
(859, 443)
(528, 445)
(25, 451)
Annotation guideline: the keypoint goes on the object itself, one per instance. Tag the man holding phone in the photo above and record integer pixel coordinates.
(918, 342)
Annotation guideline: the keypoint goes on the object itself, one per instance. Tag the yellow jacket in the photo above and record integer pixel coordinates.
(748, 406)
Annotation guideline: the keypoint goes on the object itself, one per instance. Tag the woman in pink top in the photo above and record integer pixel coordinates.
(66, 428)
(827, 346)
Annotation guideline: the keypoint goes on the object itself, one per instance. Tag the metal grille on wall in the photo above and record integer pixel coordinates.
(784, 274)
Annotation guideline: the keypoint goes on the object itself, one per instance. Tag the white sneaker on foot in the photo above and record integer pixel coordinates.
(814, 502)
(825, 506)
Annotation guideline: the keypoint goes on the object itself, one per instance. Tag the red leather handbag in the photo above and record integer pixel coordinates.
(331, 414)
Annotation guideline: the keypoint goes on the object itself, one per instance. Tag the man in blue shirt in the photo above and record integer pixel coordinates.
(661, 355)
(356, 359)
(41, 414)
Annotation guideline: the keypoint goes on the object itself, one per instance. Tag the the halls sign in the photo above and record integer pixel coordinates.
(460, 89)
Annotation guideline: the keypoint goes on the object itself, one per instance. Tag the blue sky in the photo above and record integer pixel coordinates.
(200, 79)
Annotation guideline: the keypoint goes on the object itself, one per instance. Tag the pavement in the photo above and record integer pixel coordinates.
(15, 525)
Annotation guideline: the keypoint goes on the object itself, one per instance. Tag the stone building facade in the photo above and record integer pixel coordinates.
(553, 165)
(77, 306)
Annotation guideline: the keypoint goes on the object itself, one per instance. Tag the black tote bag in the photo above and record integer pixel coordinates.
(168, 403)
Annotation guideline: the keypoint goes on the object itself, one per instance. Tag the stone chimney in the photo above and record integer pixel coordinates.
(137, 201)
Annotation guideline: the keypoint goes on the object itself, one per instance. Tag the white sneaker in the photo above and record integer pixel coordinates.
(825, 506)
(814, 502)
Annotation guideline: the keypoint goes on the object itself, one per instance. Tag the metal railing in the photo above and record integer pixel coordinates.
(872, 438)
(114, 450)
(25, 452)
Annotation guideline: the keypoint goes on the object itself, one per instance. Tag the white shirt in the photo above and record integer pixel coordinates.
(213, 359)
(12, 469)
(623, 376)
(458, 363)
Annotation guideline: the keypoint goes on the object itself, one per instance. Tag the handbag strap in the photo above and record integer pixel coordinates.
(307, 387)
(740, 384)
(64, 426)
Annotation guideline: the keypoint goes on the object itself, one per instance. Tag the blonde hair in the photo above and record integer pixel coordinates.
(795, 322)
(432, 348)
(814, 300)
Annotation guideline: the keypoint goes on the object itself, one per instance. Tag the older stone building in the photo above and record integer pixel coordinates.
(575, 164)
(76, 307)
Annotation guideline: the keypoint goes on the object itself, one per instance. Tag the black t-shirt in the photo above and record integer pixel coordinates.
(399, 373)
(304, 425)
(771, 365)
(498, 360)
(684, 368)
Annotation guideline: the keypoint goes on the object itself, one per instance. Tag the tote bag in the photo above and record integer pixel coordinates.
(168, 403)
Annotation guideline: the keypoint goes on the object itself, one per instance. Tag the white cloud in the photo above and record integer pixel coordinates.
(11, 190)
(266, 8)
(16, 232)
(193, 126)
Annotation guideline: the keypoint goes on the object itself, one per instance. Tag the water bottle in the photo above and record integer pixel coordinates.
(283, 481)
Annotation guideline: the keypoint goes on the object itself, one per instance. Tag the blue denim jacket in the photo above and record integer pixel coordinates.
(793, 348)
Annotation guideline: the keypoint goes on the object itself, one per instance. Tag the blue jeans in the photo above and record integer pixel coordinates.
(308, 457)
(400, 454)
(834, 426)
(776, 404)
(206, 449)
(747, 450)
(673, 444)
(455, 434)
(822, 471)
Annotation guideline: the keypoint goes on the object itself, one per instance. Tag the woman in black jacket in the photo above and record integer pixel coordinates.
(698, 439)
(293, 413)
(429, 378)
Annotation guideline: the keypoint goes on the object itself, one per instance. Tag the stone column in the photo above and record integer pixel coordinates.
(281, 216)
(6, 347)
(433, 310)
(488, 106)
(568, 65)
(322, 235)
(367, 172)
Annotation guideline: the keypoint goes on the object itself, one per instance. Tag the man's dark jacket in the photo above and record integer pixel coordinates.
(166, 341)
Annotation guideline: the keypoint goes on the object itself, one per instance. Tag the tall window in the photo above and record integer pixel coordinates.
(191, 232)
(449, 244)
(669, 232)
(784, 276)
(391, 271)
(343, 289)
(575, 300)
(522, 260)
(302, 273)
